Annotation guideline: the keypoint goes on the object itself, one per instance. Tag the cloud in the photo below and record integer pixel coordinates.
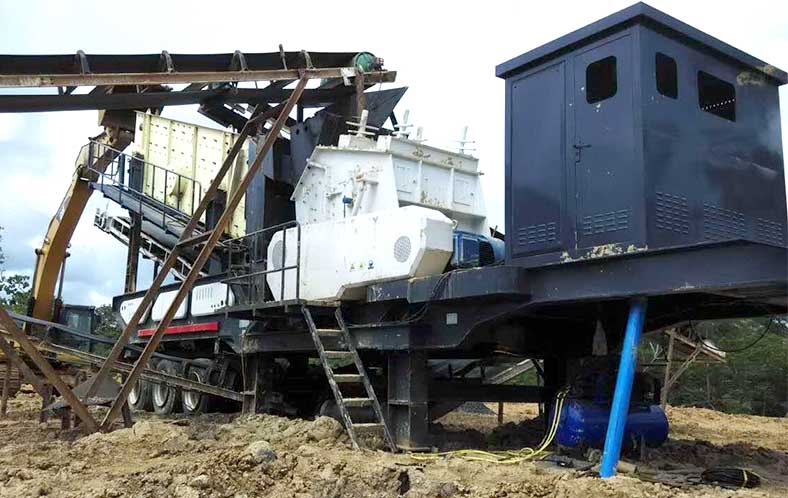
(10, 125)
(446, 56)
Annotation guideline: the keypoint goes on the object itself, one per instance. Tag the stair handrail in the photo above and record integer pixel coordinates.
(249, 246)
(115, 174)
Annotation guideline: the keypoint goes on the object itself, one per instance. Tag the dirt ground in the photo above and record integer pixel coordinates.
(262, 455)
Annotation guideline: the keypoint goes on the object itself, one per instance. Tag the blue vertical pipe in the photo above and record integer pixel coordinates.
(626, 373)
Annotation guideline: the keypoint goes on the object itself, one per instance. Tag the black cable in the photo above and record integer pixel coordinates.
(415, 316)
(738, 350)
(731, 477)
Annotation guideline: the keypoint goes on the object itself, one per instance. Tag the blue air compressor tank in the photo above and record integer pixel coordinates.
(583, 424)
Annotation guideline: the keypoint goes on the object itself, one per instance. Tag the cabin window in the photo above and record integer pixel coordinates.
(601, 80)
(716, 96)
(667, 76)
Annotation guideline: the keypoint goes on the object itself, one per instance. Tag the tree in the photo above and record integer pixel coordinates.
(14, 288)
(107, 322)
(754, 378)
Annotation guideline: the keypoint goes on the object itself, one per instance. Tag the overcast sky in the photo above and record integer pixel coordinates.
(445, 52)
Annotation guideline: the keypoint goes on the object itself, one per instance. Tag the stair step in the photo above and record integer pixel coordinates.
(329, 332)
(337, 355)
(357, 402)
(367, 428)
(347, 378)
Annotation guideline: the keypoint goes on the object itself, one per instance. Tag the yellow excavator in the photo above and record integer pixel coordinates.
(51, 256)
(52, 253)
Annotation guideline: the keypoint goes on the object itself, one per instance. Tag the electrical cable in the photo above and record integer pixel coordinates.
(508, 457)
(417, 315)
(731, 477)
(766, 329)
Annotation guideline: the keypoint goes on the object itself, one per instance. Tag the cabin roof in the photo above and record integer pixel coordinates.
(640, 13)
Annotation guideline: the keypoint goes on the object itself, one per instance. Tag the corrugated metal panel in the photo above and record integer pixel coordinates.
(193, 151)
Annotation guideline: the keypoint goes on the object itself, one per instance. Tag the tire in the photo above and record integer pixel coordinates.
(166, 399)
(232, 382)
(193, 402)
(140, 396)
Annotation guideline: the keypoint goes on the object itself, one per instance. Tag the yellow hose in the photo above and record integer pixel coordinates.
(508, 457)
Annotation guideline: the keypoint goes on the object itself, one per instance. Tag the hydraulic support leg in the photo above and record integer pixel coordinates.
(408, 407)
(626, 374)
(258, 391)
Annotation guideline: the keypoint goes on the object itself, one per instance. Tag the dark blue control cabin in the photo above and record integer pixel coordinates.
(641, 134)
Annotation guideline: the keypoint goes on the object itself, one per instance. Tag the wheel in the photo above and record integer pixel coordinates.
(140, 398)
(166, 399)
(195, 402)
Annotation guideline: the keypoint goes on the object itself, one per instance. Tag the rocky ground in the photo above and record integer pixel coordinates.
(262, 455)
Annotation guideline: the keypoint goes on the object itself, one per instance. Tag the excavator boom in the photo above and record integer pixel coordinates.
(51, 256)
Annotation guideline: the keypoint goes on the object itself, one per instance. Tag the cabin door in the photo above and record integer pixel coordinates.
(602, 155)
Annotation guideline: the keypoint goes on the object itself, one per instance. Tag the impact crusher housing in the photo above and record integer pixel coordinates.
(373, 211)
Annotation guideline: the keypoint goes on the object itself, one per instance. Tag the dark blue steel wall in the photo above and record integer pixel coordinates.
(638, 170)
(710, 179)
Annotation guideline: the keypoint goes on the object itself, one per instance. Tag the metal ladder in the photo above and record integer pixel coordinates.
(335, 379)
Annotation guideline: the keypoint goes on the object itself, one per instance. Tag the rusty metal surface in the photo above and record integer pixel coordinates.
(46, 369)
(318, 97)
(232, 203)
(140, 69)
(148, 374)
(111, 79)
(172, 258)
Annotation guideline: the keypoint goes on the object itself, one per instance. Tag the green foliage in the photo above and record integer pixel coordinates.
(14, 289)
(14, 292)
(107, 323)
(753, 380)
(529, 378)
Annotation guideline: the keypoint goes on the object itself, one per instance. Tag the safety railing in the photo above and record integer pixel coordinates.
(107, 166)
(247, 265)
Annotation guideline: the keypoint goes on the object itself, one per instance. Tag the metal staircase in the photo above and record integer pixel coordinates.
(336, 380)
(131, 182)
(163, 207)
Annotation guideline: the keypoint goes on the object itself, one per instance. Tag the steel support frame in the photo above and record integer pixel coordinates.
(153, 99)
(408, 399)
(148, 374)
(161, 271)
(89, 423)
(282, 113)
(6, 389)
(259, 384)
(133, 252)
(13, 358)
(183, 77)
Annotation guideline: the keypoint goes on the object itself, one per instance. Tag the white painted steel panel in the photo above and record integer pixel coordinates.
(362, 176)
(209, 298)
(163, 302)
(340, 258)
(193, 151)
(128, 308)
